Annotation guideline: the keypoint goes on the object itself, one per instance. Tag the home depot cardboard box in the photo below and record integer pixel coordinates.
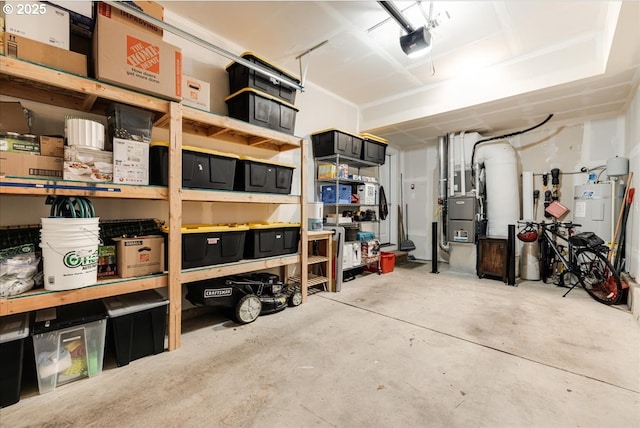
(196, 93)
(30, 165)
(38, 21)
(42, 53)
(136, 59)
(142, 255)
(148, 7)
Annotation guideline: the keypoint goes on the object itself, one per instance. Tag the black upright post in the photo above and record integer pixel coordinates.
(511, 248)
(434, 247)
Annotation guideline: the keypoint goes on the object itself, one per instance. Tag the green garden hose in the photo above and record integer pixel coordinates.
(71, 207)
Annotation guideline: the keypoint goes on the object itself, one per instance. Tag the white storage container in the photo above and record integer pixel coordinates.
(367, 193)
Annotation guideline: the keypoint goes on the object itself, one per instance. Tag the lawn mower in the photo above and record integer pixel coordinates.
(246, 297)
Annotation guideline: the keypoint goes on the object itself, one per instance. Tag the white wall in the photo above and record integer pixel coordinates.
(632, 151)
(420, 193)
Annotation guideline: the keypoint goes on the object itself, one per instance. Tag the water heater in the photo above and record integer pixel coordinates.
(596, 209)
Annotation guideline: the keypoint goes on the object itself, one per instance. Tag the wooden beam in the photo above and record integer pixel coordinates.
(89, 101)
(175, 226)
(217, 271)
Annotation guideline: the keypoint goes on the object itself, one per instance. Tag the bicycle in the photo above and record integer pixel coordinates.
(585, 259)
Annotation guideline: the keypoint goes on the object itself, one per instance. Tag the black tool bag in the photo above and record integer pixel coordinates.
(586, 239)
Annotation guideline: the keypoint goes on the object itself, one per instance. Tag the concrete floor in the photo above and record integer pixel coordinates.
(404, 349)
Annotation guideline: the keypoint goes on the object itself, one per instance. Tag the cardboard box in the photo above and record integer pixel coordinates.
(13, 118)
(80, 16)
(196, 93)
(107, 261)
(130, 162)
(30, 165)
(136, 59)
(149, 7)
(81, 7)
(370, 250)
(41, 53)
(326, 171)
(51, 146)
(85, 164)
(18, 144)
(50, 25)
(143, 255)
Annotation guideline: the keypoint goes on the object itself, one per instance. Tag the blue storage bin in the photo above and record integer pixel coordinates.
(341, 196)
(365, 236)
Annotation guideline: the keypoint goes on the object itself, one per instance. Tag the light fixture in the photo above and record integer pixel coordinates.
(417, 43)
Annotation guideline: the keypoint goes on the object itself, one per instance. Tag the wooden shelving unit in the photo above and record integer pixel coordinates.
(317, 258)
(33, 82)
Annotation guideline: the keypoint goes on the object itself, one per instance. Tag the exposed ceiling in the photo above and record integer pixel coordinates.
(495, 66)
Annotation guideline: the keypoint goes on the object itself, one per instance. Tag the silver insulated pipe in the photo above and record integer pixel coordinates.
(443, 171)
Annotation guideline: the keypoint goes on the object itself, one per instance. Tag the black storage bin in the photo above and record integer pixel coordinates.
(374, 149)
(241, 77)
(137, 325)
(13, 331)
(201, 168)
(335, 142)
(271, 239)
(259, 175)
(262, 109)
(205, 245)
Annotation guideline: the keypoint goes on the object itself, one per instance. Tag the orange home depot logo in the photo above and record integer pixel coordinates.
(143, 55)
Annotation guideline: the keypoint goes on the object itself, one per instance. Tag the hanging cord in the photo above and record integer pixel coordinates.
(473, 151)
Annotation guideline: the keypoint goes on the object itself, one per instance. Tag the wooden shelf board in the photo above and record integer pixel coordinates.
(312, 260)
(227, 196)
(44, 186)
(225, 128)
(40, 298)
(243, 266)
(39, 83)
(317, 235)
(312, 280)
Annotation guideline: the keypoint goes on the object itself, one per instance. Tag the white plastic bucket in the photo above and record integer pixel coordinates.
(69, 267)
(69, 252)
(63, 222)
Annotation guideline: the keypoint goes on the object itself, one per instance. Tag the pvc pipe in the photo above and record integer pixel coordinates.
(463, 178)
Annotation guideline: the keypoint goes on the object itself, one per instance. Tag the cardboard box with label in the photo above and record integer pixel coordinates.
(85, 164)
(51, 146)
(30, 165)
(196, 93)
(142, 255)
(130, 162)
(150, 8)
(136, 59)
(42, 53)
(38, 21)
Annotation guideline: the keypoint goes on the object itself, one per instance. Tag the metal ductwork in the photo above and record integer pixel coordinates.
(443, 172)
